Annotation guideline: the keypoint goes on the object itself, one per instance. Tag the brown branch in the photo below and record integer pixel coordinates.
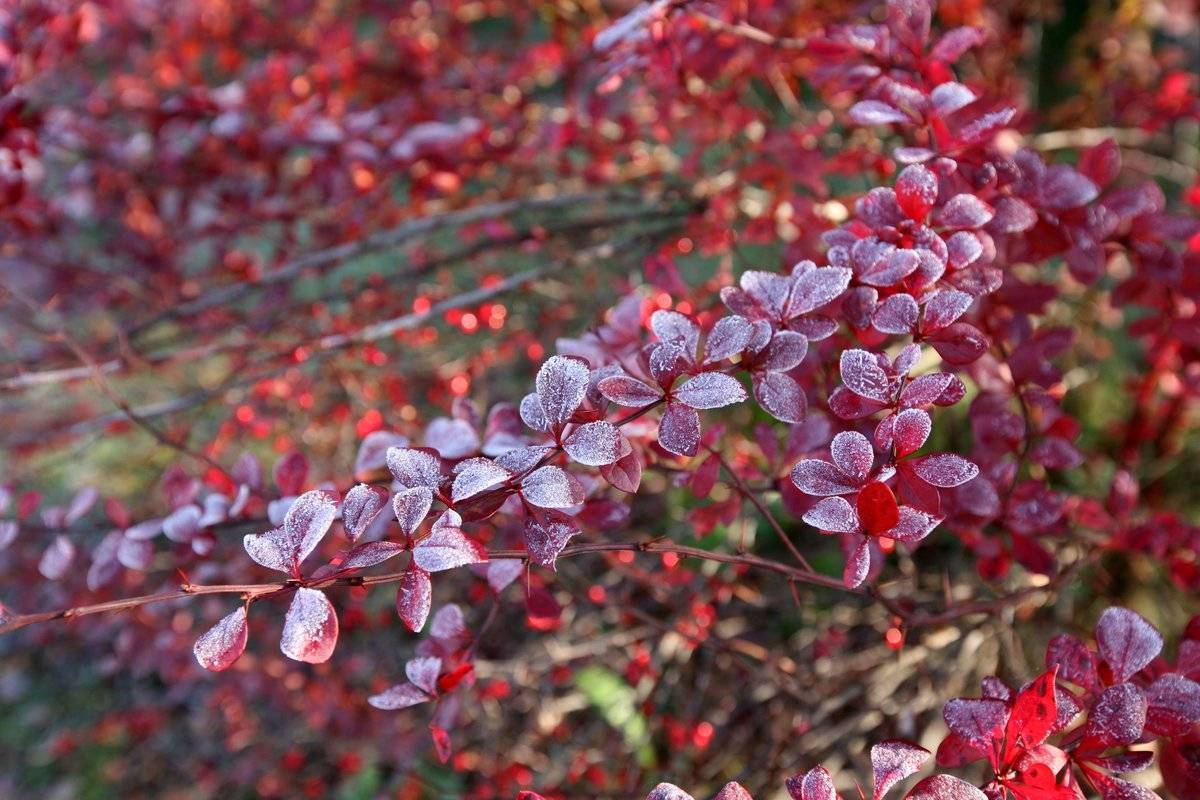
(745, 30)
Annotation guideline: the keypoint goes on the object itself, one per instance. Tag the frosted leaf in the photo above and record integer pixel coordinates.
(945, 470)
(411, 467)
(552, 487)
(957, 41)
(815, 288)
(1118, 717)
(1127, 642)
(816, 784)
(667, 361)
(945, 787)
(875, 112)
(532, 414)
(626, 391)
(135, 553)
(423, 673)
(595, 444)
(219, 646)
(890, 269)
(898, 315)
(1065, 187)
(733, 791)
(945, 307)
(452, 438)
(631, 27)
(833, 514)
(310, 629)
(447, 547)
(370, 554)
(523, 458)
(401, 696)
(671, 326)
(858, 564)
(965, 211)
(912, 526)
(414, 597)
(1013, 215)
(963, 249)
(273, 549)
(411, 507)
(1173, 705)
(950, 97)
(727, 338)
(502, 572)
(853, 455)
(710, 390)
(910, 431)
(477, 475)
(978, 722)
(277, 510)
(679, 430)
(785, 351)
(916, 191)
(56, 559)
(448, 623)
(862, 375)
(821, 479)
(308, 520)
(668, 791)
(216, 509)
(892, 761)
(924, 390)
(360, 507)
(8, 532)
(182, 524)
(545, 539)
(780, 395)
(561, 386)
(372, 451)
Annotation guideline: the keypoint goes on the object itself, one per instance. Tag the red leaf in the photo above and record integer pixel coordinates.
(360, 507)
(441, 743)
(877, 508)
(1127, 642)
(945, 787)
(414, 597)
(290, 472)
(1032, 716)
(446, 547)
(892, 761)
(310, 630)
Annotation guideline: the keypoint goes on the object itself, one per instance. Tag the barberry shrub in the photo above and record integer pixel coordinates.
(881, 366)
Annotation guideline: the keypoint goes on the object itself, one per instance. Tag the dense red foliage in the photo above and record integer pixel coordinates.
(906, 381)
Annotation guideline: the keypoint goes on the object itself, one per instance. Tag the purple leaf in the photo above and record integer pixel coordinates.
(447, 547)
(976, 721)
(780, 395)
(552, 487)
(403, 695)
(561, 386)
(897, 315)
(910, 431)
(912, 526)
(965, 211)
(1173, 705)
(475, 476)
(815, 288)
(626, 391)
(219, 646)
(945, 787)
(414, 597)
(56, 559)
(273, 549)
(1118, 717)
(423, 673)
(502, 572)
(910, 21)
(1063, 187)
(950, 97)
(668, 791)
(545, 538)
(858, 564)
(733, 791)
(370, 554)
(411, 507)
(625, 473)
(372, 452)
(360, 507)
(892, 761)
(310, 629)
(862, 375)
(135, 553)
(308, 520)
(679, 430)
(816, 784)
(891, 268)
(875, 112)
(853, 455)
(833, 515)
(532, 413)
(785, 351)
(945, 470)
(943, 308)
(452, 438)
(290, 472)
(727, 338)
(821, 479)
(710, 390)
(411, 467)
(595, 444)
(8, 532)
(963, 249)
(671, 326)
(182, 524)
(1013, 215)
(955, 42)
(925, 390)
(1127, 642)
